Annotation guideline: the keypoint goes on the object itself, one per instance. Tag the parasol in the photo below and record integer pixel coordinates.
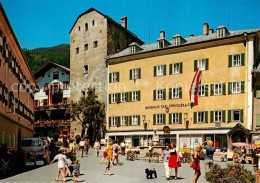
(243, 145)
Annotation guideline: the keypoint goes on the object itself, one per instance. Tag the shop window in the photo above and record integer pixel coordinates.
(95, 44)
(56, 75)
(123, 97)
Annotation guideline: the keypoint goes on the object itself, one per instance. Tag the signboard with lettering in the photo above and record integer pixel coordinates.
(167, 106)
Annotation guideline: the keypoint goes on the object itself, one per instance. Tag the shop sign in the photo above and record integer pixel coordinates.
(185, 149)
(167, 106)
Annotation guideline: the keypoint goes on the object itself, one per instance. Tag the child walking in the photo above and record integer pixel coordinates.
(76, 171)
(108, 166)
(104, 154)
(61, 165)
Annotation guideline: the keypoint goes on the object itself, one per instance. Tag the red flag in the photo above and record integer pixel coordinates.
(194, 88)
(50, 96)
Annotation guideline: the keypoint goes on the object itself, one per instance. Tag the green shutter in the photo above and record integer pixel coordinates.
(241, 115)
(139, 95)
(229, 115)
(130, 74)
(224, 116)
(170, 118)
(257, 116)
(164, 118)
(229, 88)
(170, 69)
(118, 97)
(211, 89)
(195, 65)
(206, 116)
(118, 121)
(154, 119)
(110, 77)
(180, 118)
(126, 120)
(127, 96)
(130, 96)
(170, 93)
(139, 120)
(164, 94)
(242, 59)
(242, 86)
(230, 61)
(109, 121)
(130, 120)
(194, 117)
(207, 64)
(181, 67)
(117, 76)
(164, 70)
(206, 90)
(180, 92)
(211, 116)
(110, 98)
(154, 94)
(223, 88)
(139, 73)
(155, 71)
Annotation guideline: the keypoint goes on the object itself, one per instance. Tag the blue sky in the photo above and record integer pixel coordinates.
(46, 23)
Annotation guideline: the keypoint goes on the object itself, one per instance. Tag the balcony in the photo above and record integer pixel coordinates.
(52, 123)
(52, 107)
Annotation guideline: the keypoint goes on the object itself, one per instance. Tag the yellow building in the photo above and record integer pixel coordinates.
(149, 89)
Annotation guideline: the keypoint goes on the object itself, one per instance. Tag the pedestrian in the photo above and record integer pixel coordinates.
(208, 145)
(61, 165)
(86, 145)
(104, 154)
(174, 161)
(76, 171)
(196, 163)
(64, 149)
(110, 150)
(97, 147)
(166, 154)
(72, 151)
(108, 166)
(123, 145)
(116, 149)
(82, 146)
(256, 162)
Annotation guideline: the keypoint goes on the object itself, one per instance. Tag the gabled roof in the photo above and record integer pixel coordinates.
(110, 19)
(239, 127)
(47, 67)
(189, 41)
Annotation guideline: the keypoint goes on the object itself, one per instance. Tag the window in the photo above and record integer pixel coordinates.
(160, 70)
(123, 120)
(93, 22)
(175, 93)
(65, 85)
(217, 116)
(113, 121)
(257, 116)
(176, 41)
(160, 119)
(201, 117)
(114, 77)
(135, 120)
(175, 118)
(135, 95)
(235, 115)
(56, 75)
(176, 68)
(132, 49)
(113, 99)
(86, 26)
(218, 89)
(83, 94)
(85, 47)
(79, 28)
(45, 102)
(86, 69)
(123, 97)
(236, 87)
(77, 50)
(135, 73)
(161, 44)
(36, 103)
(236, 60)
(202, 64)
(159, 94)
(95, 44)
(203, 89)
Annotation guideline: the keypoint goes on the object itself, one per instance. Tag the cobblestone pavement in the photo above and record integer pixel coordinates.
(129, 171)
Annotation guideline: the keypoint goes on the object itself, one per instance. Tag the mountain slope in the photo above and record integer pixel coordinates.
(39, 56)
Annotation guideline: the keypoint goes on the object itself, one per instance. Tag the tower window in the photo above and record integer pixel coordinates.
(93, 22)
(55, 75)
(86, 26)
(77, 50)
(79, 28)
(85, 47)
(95, 44)
(83, 94)
(86, 69)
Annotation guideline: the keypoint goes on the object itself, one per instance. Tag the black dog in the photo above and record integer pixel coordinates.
(150, 173)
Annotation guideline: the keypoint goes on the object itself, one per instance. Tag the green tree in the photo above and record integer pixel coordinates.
(90, 112)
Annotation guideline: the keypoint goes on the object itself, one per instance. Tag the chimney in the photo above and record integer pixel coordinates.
(211, 31)
(205, 29)
(162, 34)
(192, 35)
(124, 22)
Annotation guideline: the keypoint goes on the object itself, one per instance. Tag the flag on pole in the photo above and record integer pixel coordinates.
(194, 88)
(50, 96)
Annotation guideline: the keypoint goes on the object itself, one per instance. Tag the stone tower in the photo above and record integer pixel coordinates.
(93, 37)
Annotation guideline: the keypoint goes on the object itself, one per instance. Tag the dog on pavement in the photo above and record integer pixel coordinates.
(150, 173)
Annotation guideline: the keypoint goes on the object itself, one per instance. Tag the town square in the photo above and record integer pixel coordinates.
(130, 91)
